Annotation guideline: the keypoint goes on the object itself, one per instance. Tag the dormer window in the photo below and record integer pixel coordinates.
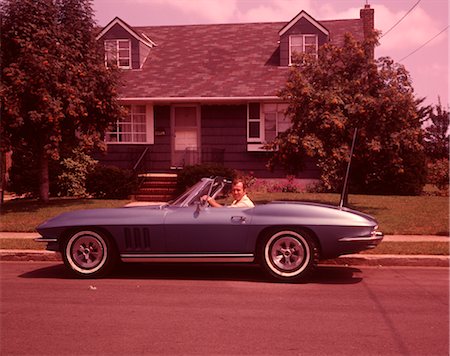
(302, 44)
(118, 52)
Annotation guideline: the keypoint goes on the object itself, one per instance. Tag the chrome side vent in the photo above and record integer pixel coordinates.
(137, 239)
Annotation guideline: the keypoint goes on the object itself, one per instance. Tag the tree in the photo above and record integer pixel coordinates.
(343, 89)
(56, 92)
(437, 133)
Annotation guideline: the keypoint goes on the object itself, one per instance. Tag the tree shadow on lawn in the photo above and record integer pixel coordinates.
(210, 272)
(32, 205)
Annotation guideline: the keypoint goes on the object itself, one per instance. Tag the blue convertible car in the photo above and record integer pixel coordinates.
(286, 239)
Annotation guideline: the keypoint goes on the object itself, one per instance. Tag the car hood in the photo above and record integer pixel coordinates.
(317, 213)
(113, 216)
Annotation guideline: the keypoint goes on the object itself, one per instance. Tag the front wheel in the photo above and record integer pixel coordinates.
(287, 255)
(89, 254)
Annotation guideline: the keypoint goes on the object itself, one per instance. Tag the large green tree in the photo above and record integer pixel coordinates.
(343, 89)
(56, 92)
(437, 132)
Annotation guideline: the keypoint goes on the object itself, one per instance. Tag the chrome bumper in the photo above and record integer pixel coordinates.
(376, 237)
(43, 239)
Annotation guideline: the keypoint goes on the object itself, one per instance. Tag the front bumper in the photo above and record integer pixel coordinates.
(364, 242)
(52, 243)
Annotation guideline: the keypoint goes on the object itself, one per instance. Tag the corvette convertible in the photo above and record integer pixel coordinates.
(287, 239)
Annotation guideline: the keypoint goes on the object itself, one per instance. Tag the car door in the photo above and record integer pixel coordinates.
(207, 230)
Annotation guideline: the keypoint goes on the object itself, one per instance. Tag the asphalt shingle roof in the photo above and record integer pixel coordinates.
(225, 60)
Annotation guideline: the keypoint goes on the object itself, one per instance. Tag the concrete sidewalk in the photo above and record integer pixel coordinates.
(347, 260)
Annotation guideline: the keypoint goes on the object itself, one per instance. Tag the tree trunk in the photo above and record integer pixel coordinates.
(44, 185)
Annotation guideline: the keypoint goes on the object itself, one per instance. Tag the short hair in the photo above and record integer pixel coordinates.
(240, 180)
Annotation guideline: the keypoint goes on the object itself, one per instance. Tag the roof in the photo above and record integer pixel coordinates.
(139, 36)
(217, 61)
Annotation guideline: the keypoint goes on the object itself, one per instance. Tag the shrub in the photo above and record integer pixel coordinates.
(111, 182)
(438, 173)
(75, 169)
(192, 174)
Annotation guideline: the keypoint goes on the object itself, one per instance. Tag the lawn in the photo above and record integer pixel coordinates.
(23, 215)
(404, 215)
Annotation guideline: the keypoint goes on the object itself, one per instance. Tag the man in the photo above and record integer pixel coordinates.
(238, 190)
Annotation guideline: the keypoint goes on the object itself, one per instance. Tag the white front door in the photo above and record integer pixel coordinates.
(186, 137)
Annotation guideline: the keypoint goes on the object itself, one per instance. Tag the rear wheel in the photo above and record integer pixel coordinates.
(89, 254)
(286, 255)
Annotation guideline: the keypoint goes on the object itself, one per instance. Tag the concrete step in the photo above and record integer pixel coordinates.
(157, 187)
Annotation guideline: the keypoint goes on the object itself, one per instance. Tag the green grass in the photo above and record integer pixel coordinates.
(23, 215)
(410, 248)
(21, 244)
(397, 215)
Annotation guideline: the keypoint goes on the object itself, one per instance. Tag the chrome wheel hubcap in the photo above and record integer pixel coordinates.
(287, 253)
(87, 252)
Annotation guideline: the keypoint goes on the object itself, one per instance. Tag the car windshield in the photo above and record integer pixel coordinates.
(207, 186)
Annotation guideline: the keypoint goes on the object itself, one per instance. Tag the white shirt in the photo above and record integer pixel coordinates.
(245, 202)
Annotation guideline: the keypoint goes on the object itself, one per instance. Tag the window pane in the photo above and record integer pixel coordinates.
(139, 137)
(126, 137)
(111, 137)
(296, 40)
(124, 53)
(139, 128)
(283, 123)
(124, 62)
(254, 130)
(310, 40)
(270, 126)
(125, 127)
(124, 44)
(253, 111)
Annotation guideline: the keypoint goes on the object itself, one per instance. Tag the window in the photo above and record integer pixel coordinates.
(265, 122)
(118, 52)
(302, 44)
(133, 128)
(275, 120)
(253, 123)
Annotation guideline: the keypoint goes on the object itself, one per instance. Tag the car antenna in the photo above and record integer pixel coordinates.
(344, 194)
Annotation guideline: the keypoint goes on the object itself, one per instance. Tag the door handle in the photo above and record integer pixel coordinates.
(238, 219)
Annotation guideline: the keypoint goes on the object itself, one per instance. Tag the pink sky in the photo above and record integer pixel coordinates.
(428, 66)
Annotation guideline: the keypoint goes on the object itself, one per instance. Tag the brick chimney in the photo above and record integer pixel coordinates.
(367, 16)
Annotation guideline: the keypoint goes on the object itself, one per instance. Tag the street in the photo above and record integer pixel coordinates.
(211, 309)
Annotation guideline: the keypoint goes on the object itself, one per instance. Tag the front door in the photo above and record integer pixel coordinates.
(185, 134)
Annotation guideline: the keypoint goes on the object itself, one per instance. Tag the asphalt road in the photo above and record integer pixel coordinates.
(205, 310)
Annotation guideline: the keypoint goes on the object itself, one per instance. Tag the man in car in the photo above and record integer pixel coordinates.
(238, 190)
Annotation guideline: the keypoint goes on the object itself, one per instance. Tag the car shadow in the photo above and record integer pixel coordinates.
(323, 274)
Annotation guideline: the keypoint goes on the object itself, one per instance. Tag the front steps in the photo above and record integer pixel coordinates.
(157, 187)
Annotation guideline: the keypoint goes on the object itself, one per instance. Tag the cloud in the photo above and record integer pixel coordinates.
(210, 11)
(414, 30)
(274, 10)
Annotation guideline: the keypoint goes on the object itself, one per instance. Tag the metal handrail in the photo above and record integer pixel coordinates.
(138, 162)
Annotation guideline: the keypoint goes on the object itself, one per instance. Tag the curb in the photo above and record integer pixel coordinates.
(347, 260)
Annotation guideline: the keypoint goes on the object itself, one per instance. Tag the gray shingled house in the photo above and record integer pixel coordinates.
(208, 93)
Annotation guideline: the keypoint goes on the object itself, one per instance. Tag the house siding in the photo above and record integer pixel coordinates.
(303, 26)
(223, 137)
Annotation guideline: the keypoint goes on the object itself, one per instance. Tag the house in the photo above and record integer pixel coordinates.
(208, 93)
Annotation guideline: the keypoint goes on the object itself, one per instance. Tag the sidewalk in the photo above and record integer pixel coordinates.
(346, 260)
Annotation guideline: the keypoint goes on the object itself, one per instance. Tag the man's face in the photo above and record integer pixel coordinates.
(238, 191)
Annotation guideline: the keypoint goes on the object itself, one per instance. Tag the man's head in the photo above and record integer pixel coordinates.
(238, 189)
